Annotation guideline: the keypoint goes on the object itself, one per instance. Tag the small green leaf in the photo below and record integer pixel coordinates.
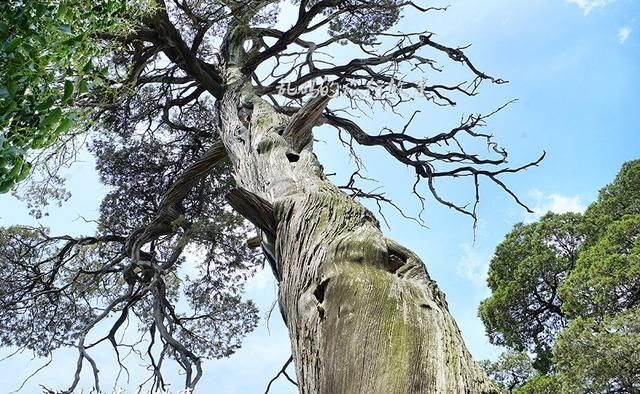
(64, 126)
(40, 9)
(24, 172)
(62, 10)
(88, 67)
(68, 91)
(45, 105)
(39, 142)
(12, 87)
(16, 169)
(6, 185)
(12, 107)
(4, 30)
(12, 45)
(52, 118)
(83, 87)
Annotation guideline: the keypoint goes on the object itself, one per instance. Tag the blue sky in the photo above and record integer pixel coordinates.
(574, 67)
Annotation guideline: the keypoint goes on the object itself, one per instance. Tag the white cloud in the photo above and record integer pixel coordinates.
(623, 34)
(589, 5)
(473, 265)
(553, 202)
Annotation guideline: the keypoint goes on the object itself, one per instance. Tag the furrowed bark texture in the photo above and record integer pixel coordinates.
(362, 313)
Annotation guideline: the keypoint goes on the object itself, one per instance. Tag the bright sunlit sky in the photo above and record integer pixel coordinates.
(573, 65)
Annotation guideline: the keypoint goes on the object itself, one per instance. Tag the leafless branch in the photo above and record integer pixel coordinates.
(283, 371)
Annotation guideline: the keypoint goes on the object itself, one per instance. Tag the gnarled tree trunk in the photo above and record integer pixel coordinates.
(362, 313)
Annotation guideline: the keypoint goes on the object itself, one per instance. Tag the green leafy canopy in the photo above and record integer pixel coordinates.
(567, 290)
(48, 66)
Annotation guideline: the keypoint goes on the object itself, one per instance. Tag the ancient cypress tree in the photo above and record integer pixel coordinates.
(193, 101)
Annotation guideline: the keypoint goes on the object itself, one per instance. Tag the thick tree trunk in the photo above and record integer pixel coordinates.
(362, 313)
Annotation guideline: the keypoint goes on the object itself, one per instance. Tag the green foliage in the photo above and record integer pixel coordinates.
(541, 384)
(600, 356)
(47, 69)
(67, 293)
(53, 290)
(217, 318)
(52, 316)
(63, 273)
(606, 279)
(510, 371)
(364, 20)
(568, 289)
(620, 198)
(360, 21)
(525, 275)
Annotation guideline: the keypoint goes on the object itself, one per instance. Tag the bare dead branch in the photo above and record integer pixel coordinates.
(283, 371)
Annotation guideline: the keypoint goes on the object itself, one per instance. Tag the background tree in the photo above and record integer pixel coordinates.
(590, 265)
(197, 97)
(510, 371)
(525, 276)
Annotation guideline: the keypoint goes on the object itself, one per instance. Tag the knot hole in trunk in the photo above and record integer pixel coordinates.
(319, 293)
(396, 261)
(320, 290)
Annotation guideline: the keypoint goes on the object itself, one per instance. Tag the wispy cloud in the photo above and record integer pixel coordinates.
(589, 5)
(553, 202)
(623, 34)
(473, 265)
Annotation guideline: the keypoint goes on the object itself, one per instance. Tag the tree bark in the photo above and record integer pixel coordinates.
(362, 313)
